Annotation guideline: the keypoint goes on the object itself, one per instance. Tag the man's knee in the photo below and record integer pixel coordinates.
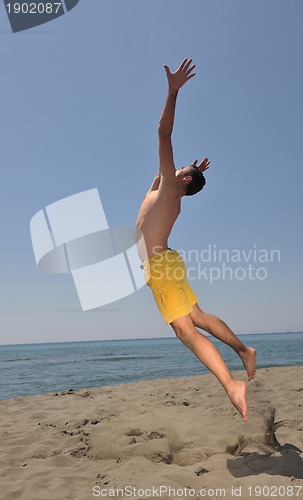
(179, 331)
(183, 330)
(199, 318)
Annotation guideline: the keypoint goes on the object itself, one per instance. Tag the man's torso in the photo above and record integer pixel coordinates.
(156, 217)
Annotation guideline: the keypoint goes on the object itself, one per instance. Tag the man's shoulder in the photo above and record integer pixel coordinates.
(167, 191)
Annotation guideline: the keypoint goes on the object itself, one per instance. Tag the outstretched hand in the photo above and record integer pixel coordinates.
(204, 165)
(177, 79)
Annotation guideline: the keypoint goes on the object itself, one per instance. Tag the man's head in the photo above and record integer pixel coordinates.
(191, 179)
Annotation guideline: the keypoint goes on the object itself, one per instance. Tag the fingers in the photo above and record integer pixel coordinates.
(183, 63)
(204, 161)
(167, 70)
(190, 76)
(187, 64)
(186, 67)
(204, 165)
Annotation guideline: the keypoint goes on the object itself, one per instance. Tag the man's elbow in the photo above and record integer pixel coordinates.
(163, 131)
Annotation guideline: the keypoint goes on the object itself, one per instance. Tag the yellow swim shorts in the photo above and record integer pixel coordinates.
(165, 273)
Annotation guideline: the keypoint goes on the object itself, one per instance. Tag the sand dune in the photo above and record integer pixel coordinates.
(170, 438)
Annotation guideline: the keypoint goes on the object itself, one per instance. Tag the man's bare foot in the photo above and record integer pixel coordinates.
(249, 361)
(236, 393)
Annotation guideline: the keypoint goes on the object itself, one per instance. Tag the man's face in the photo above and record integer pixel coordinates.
(184, 171)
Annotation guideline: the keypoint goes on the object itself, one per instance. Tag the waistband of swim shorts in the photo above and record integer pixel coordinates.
(158, 256)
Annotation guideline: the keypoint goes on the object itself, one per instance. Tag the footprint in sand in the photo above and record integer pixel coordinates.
(133, 432)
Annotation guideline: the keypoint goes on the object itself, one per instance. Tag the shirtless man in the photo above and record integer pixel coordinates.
(164, 268)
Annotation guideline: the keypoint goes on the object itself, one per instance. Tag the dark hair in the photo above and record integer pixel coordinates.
(197, 182)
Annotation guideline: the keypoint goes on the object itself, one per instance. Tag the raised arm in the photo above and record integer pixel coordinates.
(155, 183)
(175, 80)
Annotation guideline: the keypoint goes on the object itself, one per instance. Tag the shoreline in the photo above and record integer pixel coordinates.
(179, 432)
(109, 385)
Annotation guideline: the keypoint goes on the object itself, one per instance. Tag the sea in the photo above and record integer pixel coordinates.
(33, 369)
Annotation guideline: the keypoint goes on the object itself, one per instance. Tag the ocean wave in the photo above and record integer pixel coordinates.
(14, 360)
(126, 357)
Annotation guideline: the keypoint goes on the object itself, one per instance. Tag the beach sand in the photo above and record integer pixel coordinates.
(180, 434)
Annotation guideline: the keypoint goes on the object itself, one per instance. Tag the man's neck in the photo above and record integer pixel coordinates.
(181, 190)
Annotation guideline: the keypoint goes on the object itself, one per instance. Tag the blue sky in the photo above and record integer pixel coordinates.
(80, 101)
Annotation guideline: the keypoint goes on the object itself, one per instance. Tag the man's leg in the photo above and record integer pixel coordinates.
(221, 331)
(208, 354)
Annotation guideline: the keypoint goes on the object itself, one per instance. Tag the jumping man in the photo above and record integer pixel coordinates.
(164, 268)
